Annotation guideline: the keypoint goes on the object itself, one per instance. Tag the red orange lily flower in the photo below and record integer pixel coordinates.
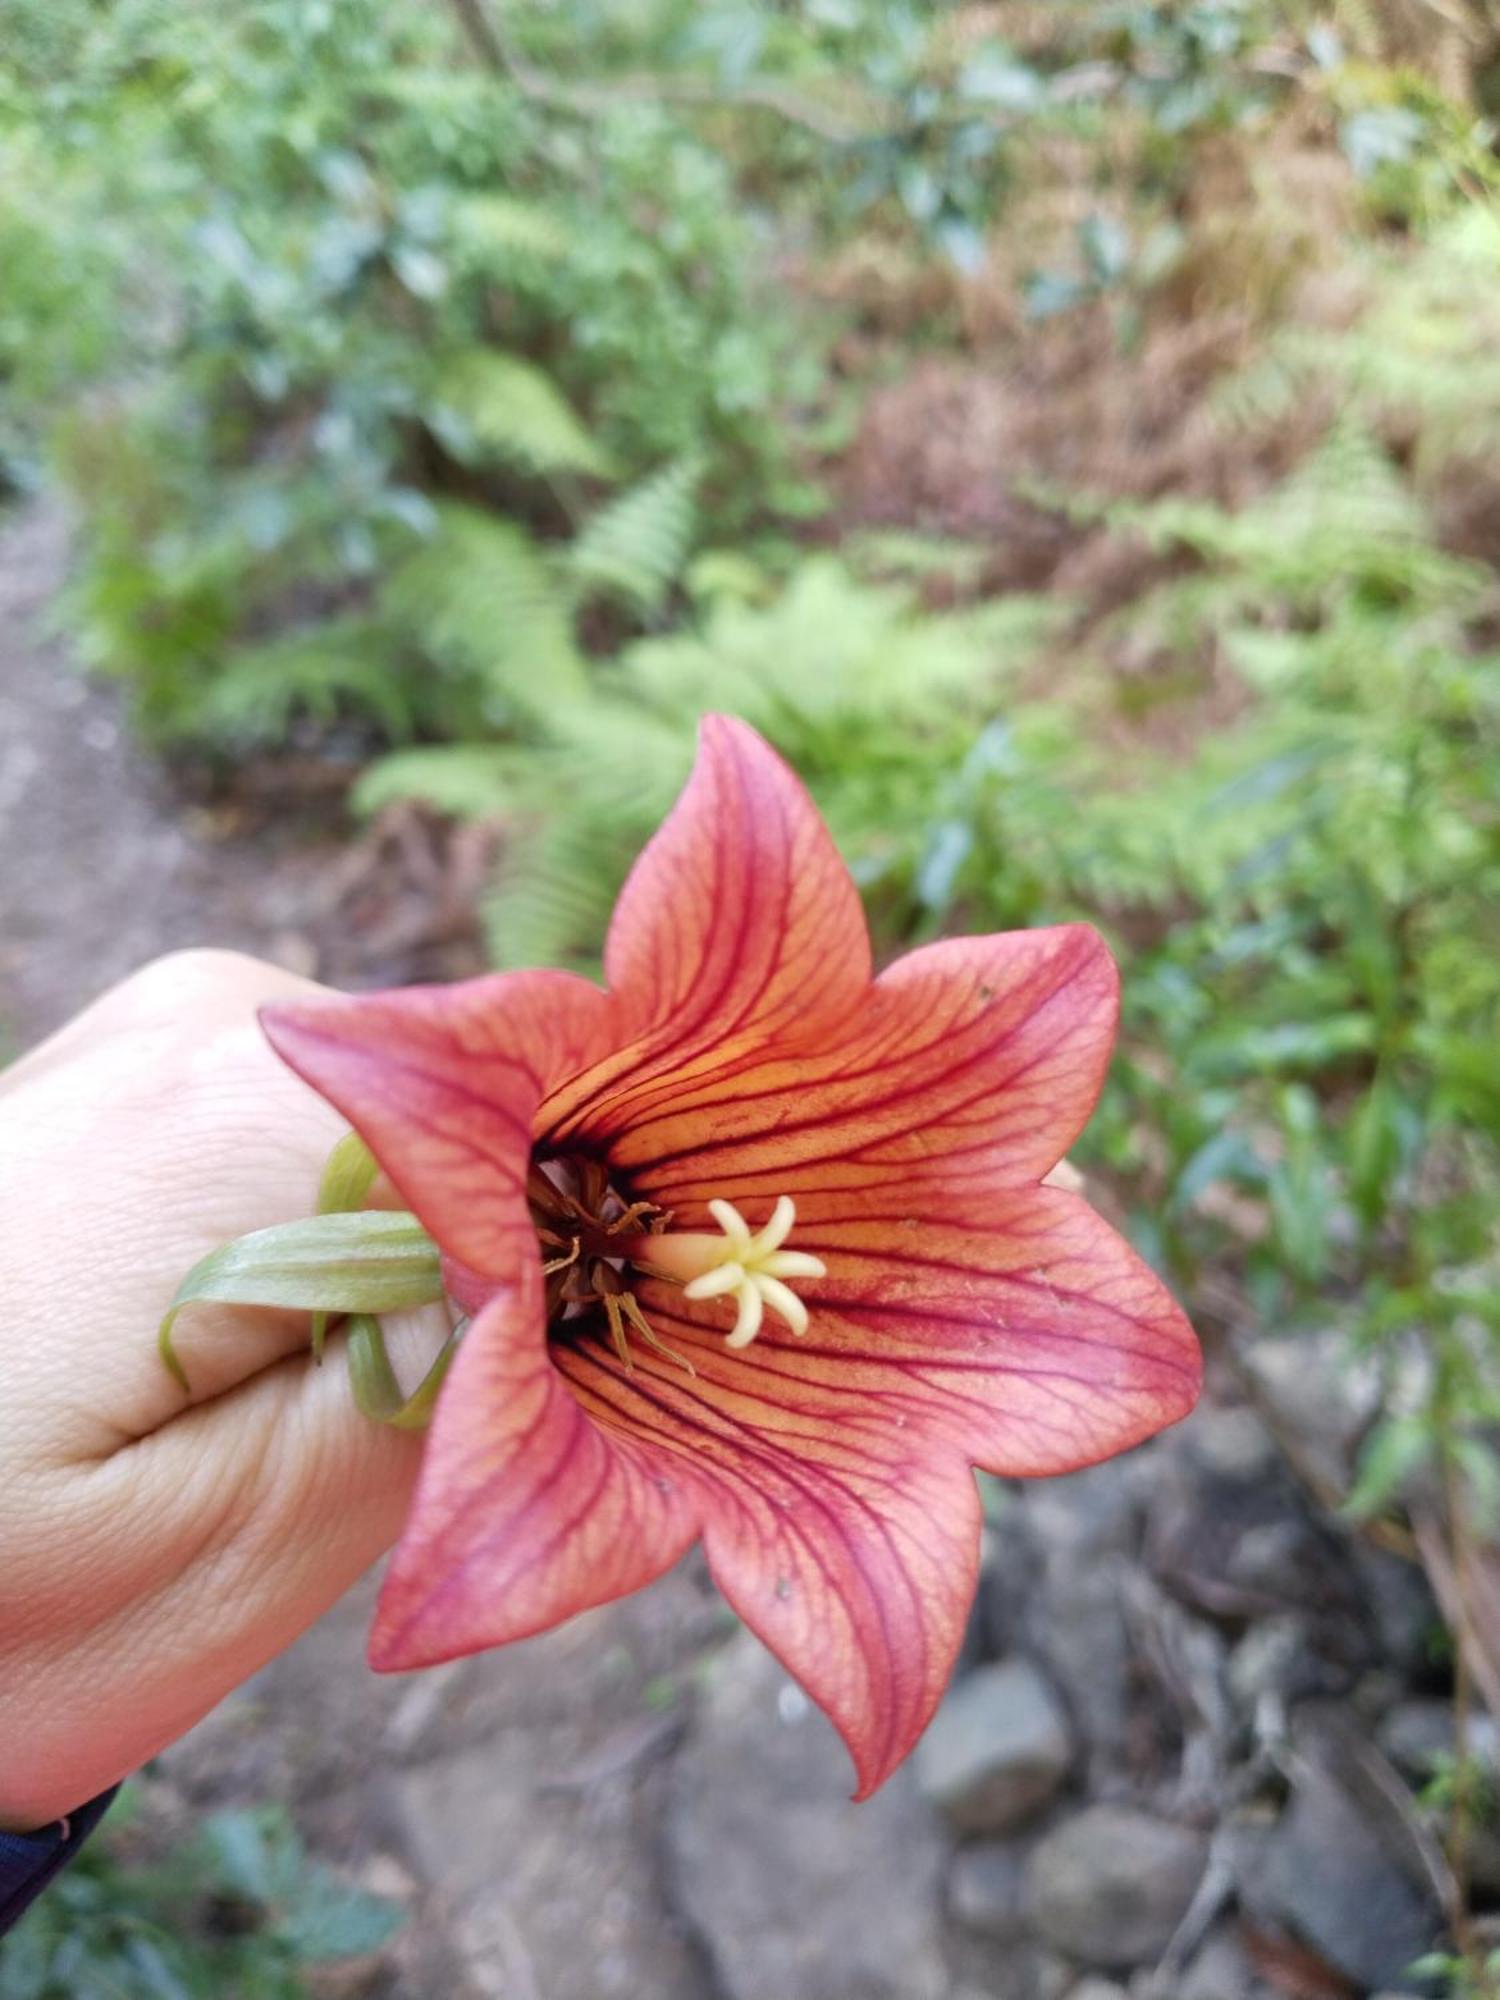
(759, 1253)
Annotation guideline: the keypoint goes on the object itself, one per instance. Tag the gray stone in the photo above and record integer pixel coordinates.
(1399, 1605)
(1278, 1662)
(489, 1828)
(1008, 1577)
(985, 1889)
(1111, 1885)
(1097, 1989)
(1230, 1444)
(1322, 1398)
(1418, 1736)
(791, 1888)
(1327, 1876)
(1221, 1970)
(1088, 1527)
(997, 1750)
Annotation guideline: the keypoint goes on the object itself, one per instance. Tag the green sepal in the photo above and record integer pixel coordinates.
(346, 1183)
(348, 1176)
(377, 1393)
(377, 1261)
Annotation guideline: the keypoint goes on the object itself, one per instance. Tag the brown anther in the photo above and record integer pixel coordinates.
(639, 1213)
(580, 1219)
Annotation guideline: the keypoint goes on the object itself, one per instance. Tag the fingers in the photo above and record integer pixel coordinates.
(228, 1532)
(157, 1128)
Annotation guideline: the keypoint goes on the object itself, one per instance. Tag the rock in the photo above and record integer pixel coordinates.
(1110, 1885)
(1087, 1527)
(1008, 1577)
(1221, 1970)
(996, 1751)
(985, 1889)
(488, 1827)
(1327, 1876)
(1230, 1444)
(790, 1888)
(1400, 1608)
(1097, 1989)
(1278, 1662)
(1418, 1736)
(1323, 1398)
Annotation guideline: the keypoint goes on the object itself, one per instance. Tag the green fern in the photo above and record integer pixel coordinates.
(464, 780)
(482, 600)
(1344, 522)
(489, 405)
(867, 694)
(339, 668)
(636, 545)
(498, 230)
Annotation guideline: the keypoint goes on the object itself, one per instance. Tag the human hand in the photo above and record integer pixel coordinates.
(155, 1548)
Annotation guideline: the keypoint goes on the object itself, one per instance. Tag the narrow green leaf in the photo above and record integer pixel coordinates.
(377, 1261)
(373, 1380)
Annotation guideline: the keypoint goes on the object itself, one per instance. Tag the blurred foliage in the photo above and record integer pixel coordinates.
(320, 268)
(239, 1912)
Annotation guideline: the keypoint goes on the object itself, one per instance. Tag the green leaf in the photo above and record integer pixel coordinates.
(376, 1390)
(1393, 1451)
(347, 1180)
(491, 405)
(378, 1261)
(637, 546)
(348, 1177)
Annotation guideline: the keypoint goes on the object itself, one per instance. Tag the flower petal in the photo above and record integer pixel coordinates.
(739, 924)
(1030, 1340)
(847, 1548)
(444, 1084)
(526, 1511)
(979, 1056)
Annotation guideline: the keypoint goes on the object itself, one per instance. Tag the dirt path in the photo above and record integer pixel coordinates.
(98, 870)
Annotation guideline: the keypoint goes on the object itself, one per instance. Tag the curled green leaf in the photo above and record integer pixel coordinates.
(345, 1186)
(348, 1176)
(373, 1380)
(377, 1261)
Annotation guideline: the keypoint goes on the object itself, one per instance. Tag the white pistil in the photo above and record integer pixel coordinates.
(749, 1266)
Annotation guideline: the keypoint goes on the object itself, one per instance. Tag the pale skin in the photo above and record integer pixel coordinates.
(156, 1549)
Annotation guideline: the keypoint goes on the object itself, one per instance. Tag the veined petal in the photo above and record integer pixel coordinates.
(526, 1510)
(979, 1056)
(848, 1547)
(1027, 1338)
(738, 925)
(444, 1082)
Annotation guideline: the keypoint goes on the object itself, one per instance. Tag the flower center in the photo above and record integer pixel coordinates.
(594, 1240)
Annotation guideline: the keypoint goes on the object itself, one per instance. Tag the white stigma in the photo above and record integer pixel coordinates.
(749, 1266)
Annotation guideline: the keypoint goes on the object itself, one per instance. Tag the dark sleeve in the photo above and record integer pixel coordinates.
(28, 1861)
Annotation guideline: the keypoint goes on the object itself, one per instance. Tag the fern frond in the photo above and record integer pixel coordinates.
(833, 655)
(592, 804)
(497, 230)
(491, 405)
(332, 670)
(482, 599)
(636, 546)
(465, 780)
(1345, 520)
